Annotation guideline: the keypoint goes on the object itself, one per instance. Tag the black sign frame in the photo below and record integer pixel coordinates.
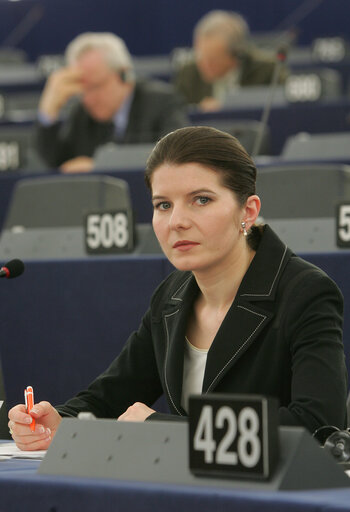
(342, 225)
(207, 461)
(99, 239)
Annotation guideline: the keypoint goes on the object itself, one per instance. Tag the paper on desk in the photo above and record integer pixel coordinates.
(12, 451)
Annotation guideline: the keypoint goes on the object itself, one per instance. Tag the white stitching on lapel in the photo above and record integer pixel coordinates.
(273, 282)
(168, 341)
(166, 359)
(240, 348)
(177, 291)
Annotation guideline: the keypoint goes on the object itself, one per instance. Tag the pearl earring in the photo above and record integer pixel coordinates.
(245, 233)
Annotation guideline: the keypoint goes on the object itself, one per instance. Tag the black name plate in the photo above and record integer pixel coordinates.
(10, 155)
(303, 87)
(233, 436)
(109, 232)
(343, 225)
(329, 49)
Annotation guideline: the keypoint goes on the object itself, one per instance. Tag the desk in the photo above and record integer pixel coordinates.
(21, 488)
(24, 76)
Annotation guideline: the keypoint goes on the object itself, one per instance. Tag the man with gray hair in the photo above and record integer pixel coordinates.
(96, 99)
(223, 59)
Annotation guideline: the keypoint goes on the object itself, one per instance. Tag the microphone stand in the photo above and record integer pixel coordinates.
(281, 57)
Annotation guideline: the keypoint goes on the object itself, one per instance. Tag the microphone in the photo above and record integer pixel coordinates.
(13, 268)
(334, 441)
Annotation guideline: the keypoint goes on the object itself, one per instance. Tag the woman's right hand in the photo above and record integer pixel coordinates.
(47, 421)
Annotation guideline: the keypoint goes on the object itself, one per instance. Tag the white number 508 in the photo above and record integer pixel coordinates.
(107, 231)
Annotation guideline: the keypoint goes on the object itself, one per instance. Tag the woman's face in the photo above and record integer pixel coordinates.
(196, 219)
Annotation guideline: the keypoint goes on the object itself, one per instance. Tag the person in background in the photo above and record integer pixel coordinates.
(223, 59)
(241, 314)
(109, 104)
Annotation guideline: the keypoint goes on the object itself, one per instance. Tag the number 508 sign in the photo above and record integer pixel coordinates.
(343, 225)
(109, 232)
(233, 435)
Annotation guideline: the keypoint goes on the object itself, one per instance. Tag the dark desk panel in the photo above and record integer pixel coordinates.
(64, 322)
(21, 488)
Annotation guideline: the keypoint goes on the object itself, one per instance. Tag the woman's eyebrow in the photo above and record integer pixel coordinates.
(191, 193)
(158, 197)
(201, 191)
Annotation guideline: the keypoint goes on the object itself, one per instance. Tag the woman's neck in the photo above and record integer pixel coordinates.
(219, 286)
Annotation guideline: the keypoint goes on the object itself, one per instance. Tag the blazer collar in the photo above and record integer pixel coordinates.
(248, 315)
(261, 279)
(175, 323)
(241, 326)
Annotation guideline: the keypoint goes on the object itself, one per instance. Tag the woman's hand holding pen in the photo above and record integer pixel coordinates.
(47, 422)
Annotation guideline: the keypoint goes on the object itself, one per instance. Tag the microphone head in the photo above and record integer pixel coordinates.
(13, 268)
(338, 445)
(282, 53)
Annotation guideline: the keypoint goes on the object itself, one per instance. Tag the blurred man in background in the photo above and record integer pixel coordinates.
(108, 104)
(222, 60)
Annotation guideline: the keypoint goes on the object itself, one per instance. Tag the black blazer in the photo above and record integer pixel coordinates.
(282, 337)
(155, 111)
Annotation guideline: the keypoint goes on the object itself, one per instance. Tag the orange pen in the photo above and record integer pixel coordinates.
(29, 401)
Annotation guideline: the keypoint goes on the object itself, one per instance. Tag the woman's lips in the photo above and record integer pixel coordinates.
(184, 245)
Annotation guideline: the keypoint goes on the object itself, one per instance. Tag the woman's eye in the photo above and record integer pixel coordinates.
(164, 205)
(201, 200)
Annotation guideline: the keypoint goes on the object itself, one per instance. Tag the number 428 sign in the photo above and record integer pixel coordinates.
(233, 435)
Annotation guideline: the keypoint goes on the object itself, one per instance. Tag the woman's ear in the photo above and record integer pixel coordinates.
(251, 210)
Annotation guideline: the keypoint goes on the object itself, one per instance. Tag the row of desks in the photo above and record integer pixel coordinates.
(31, 76)
(285, 120)
(140, 197)
(288, 119)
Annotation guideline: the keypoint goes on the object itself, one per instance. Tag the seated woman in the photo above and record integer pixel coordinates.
(241, 314)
